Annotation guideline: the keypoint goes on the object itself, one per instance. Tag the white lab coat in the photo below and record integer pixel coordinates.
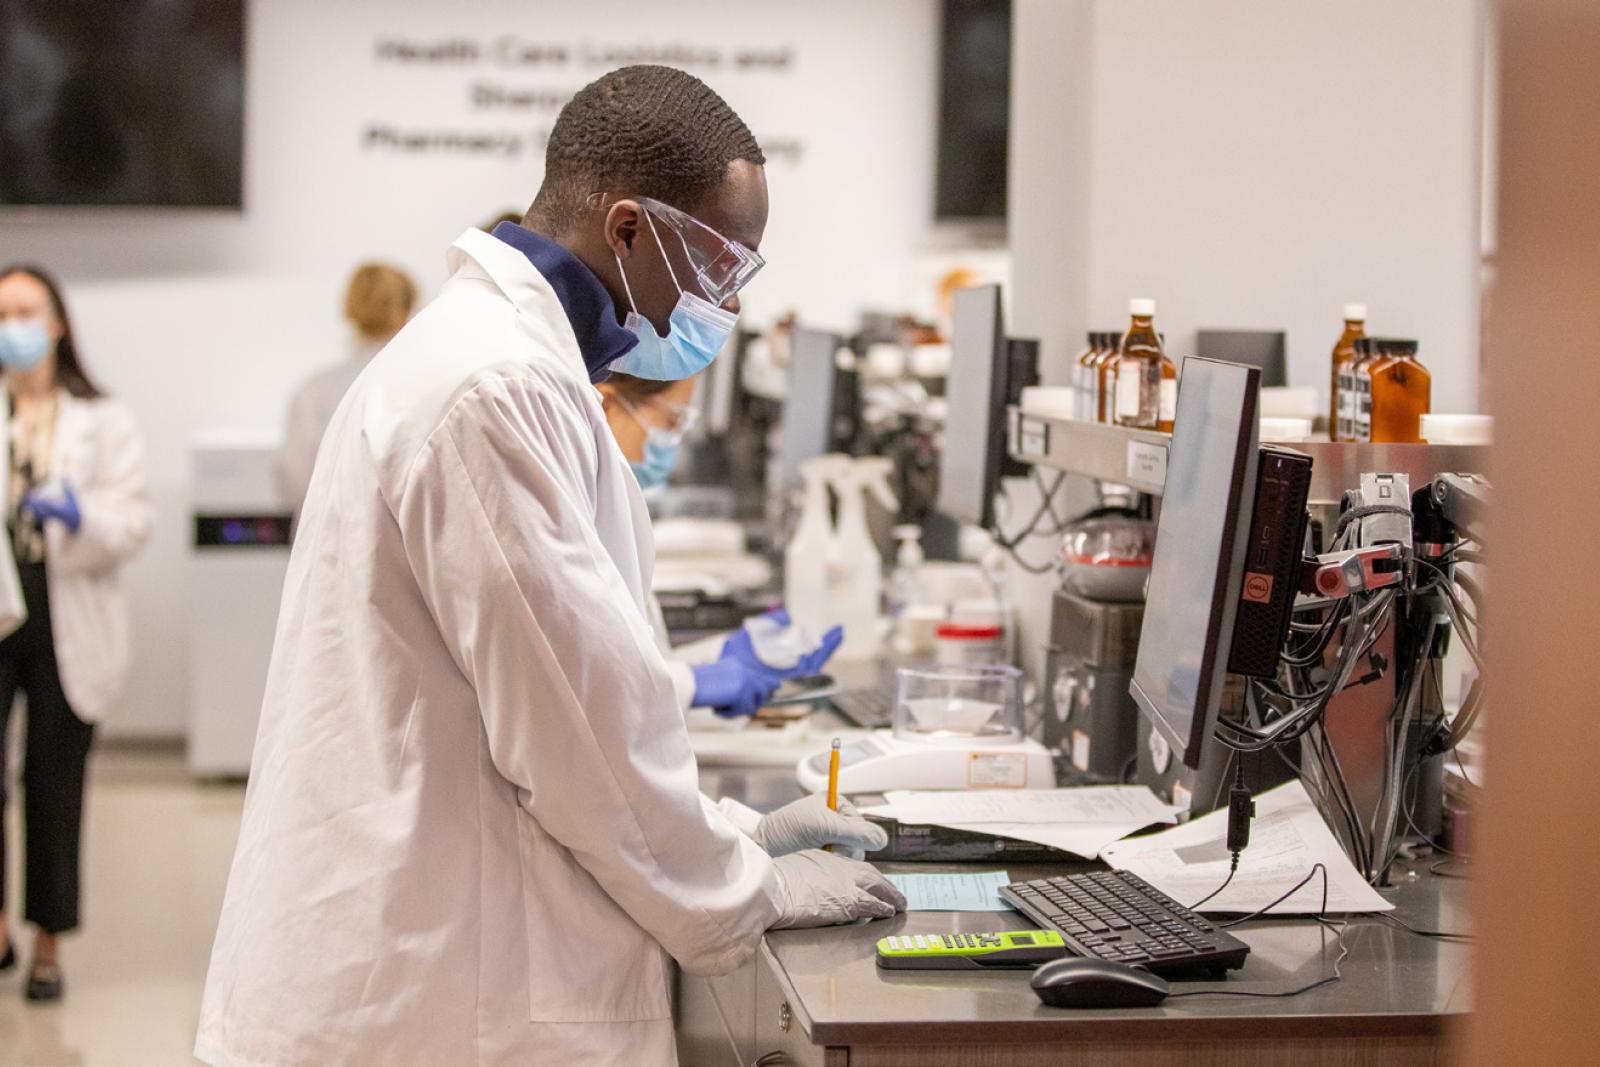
(98, 451)
(472, 833)
(311, 408)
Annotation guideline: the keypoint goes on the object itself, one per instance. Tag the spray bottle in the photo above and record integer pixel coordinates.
(806, 559)
(855, 586)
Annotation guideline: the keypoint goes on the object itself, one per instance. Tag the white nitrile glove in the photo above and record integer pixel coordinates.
(808, 823)
(821, 889)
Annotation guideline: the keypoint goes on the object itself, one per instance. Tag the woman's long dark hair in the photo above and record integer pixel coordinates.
(70, 374)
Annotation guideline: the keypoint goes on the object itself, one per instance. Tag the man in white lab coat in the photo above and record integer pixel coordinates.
(473, 833)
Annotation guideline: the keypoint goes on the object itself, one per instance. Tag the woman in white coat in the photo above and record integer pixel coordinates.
(473, 832)
(377, 302)
(649, 420)
(77, 509)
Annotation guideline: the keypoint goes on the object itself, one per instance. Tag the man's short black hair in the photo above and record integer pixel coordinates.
(650, 130)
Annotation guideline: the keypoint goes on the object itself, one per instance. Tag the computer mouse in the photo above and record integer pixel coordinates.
(1076, 982)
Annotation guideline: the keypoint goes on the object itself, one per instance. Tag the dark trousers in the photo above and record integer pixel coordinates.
(55, 756)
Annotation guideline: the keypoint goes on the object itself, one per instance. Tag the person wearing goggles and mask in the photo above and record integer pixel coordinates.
(473, 832)
(649, 420)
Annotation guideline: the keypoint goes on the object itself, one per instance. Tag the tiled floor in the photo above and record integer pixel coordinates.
(156, 856)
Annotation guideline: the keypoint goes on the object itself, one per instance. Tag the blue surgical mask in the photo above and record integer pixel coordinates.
(660, 456)
(23, 344)
(696, 332)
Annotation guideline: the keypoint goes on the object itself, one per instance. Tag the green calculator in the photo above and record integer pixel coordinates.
(943, 952)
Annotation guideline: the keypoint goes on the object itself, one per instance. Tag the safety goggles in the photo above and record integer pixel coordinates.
(681, 418)
(721, 266)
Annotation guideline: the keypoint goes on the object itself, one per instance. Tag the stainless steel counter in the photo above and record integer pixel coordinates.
(1392, 1005)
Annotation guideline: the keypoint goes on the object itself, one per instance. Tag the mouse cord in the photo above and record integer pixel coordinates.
(1321, 917)
(1240, 810)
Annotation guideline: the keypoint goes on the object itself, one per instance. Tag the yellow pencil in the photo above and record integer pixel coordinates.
(833, 780)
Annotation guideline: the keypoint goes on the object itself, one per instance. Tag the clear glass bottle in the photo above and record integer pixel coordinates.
(1376, 354)
(1355, 326)
(1137, 370)
(1402, 392)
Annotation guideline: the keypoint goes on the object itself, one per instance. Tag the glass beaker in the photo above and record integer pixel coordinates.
(958, 701)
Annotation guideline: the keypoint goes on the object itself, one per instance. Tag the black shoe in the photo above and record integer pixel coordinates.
(9, 960)
(44, 983)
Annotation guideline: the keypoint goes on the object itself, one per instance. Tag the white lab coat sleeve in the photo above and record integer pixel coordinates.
(578, 707)
(744, 817)
(682, 683)
(114, 499)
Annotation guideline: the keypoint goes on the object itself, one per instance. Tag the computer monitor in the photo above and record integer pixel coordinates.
(974, 430)
(1266, 349)
(1198, 567)
(808, 410)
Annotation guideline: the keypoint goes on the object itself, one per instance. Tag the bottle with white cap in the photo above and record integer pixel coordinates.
(1341, 402)
(1145, 395)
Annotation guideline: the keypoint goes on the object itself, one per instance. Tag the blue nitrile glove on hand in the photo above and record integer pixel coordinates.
(732, 688)
(63, 509)
(742, 647)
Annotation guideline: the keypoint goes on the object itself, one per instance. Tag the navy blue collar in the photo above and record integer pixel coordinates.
(601, 339)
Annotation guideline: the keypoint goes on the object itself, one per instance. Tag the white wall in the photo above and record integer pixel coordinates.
(1247, 163)
(204, 320)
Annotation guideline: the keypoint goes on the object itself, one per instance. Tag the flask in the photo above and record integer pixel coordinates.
(1138, 371)
(1344, 356)
(1402, 392)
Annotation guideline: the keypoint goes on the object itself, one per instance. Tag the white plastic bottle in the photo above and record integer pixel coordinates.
(805, 560)
(855, 576)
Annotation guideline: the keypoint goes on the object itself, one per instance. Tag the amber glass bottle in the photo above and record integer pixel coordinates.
(1355, 326)
(1402, 392)
(1138, 371)
(1082, 384)
(1345, 428)
(1104, 367)
(1368, 356)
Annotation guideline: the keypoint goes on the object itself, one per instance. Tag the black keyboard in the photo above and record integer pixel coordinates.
(1114, 915)
(869, 709)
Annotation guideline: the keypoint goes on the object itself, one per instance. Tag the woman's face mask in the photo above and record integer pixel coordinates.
(23, 344)
(661, 444)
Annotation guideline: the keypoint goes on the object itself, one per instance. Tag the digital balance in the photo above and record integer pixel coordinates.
(955, 727)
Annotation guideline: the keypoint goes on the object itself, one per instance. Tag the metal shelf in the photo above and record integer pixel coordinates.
(1138, 458)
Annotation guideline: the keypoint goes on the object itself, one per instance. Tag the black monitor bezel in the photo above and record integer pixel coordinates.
(985, 299)
(1230, 572)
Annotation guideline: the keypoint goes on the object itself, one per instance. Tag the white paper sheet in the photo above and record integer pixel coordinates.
(1103, 805)
(1287, 837)
(958, 891)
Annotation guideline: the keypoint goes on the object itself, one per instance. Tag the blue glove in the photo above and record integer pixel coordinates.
(63, 509)
(739, 648)
(732, 688)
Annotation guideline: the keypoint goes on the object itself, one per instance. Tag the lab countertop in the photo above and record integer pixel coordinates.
(1394, 982)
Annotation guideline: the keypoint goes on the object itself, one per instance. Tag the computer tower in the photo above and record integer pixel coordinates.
(1090, 719)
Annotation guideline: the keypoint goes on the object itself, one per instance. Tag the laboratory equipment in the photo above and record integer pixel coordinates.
(237, 563)
(954, 728)
(1400, 388)
(1004, 949)
(1089, 717)
(807, 557)
(1106, 556)
(1119, 917)
(1198, 567)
